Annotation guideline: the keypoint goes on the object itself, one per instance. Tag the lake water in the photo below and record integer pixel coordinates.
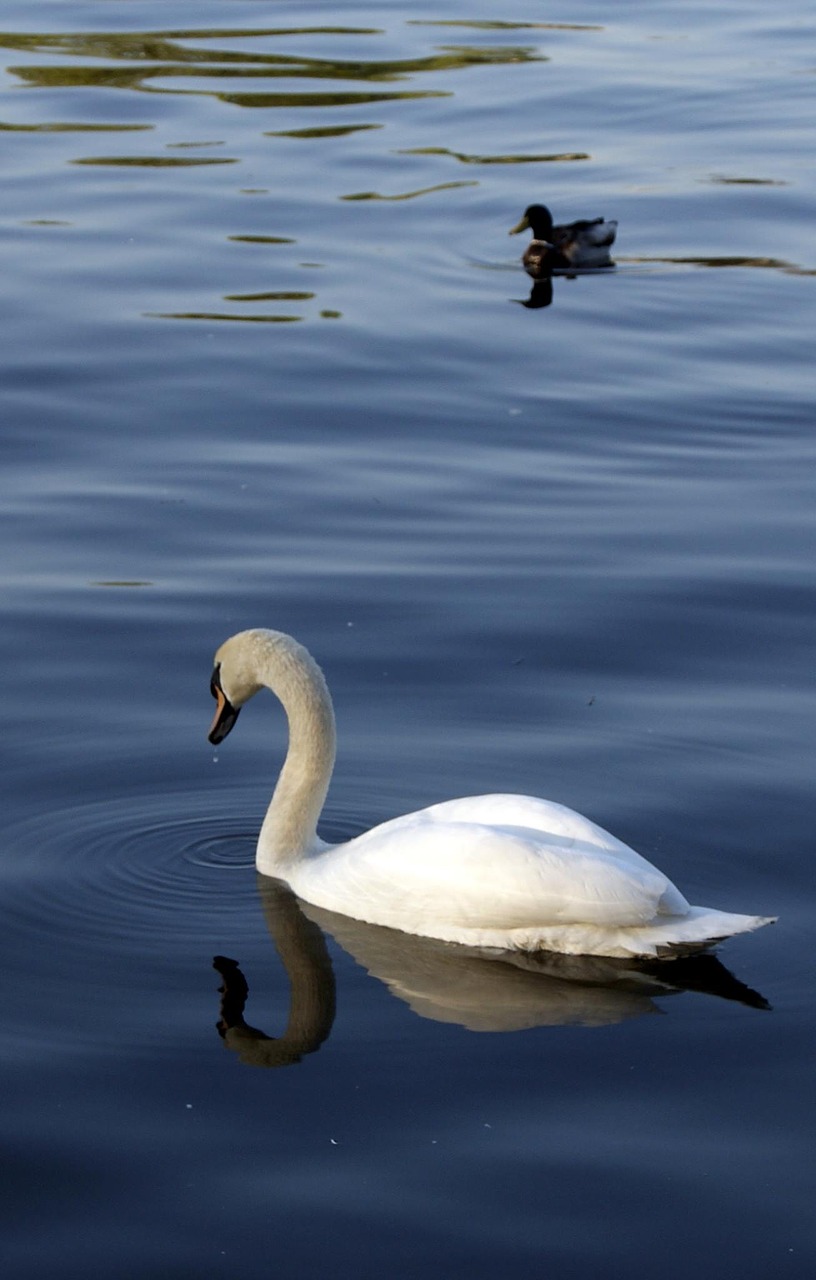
(264, 364)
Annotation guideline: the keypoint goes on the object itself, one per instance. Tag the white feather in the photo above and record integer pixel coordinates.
(501, 871)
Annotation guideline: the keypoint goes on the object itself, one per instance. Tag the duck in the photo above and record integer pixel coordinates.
(576, 244)
(500, 872)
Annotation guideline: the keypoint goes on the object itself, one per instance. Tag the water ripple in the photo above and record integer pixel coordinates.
(127, 873)
(111, 913)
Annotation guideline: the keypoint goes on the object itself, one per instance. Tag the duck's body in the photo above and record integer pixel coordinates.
(500, 871)
(576, 244)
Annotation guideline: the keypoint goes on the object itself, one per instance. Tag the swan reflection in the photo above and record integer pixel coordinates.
(448, 982)
(302, 948)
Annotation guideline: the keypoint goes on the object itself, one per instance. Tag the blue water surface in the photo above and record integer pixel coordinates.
(268, 359)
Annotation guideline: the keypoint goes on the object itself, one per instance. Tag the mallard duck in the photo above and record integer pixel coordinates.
(577, 244)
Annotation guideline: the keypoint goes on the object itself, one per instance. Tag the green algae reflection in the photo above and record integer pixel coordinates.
(221, 315)
(497, 25)
(134, 59)
(409, 195)
(281, 295)
(720, 263)
(259, 239)
(464, 158)
(155, 162)
(69, 127)
(321, 131)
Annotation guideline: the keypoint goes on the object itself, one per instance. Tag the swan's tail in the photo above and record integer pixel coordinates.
(699, 930)
(667, 938)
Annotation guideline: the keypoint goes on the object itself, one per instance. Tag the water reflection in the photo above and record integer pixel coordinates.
(321, 131)
(464, 158)
(150, 56)
(156, 162)
(447, 983)
(213, 316)
(496, 25)
(275, 68)
(279, 295)
(408, 195)
(772, 264)
(722, 180)
(259, 239)
(541, 295)
(301, 947)
(66, 126)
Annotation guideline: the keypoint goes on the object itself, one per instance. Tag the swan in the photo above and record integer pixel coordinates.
(504, 872)
(576, 244)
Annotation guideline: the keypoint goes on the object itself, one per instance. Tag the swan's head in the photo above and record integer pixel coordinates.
(234, 681)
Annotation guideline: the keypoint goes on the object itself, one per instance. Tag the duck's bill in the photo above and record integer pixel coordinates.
(522, 226)
(225, 713)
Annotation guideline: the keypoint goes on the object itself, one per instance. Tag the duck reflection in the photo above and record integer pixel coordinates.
(541, 294)
(478, 990)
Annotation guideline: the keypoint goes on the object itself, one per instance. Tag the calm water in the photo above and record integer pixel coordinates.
(264, 363)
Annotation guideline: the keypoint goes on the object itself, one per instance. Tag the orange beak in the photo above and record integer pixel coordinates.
(225, 713)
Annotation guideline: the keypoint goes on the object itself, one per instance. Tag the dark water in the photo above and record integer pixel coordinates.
(264, 363)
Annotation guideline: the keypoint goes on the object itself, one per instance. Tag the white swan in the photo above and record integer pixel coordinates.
(498, 871)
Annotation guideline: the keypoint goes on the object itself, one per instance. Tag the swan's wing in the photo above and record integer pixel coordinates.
(419, 872)
(552, 820)
(546, 816)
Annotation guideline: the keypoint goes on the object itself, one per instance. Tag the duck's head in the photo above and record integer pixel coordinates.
(539, 219)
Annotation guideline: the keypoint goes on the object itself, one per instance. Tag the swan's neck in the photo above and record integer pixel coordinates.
(289, 830)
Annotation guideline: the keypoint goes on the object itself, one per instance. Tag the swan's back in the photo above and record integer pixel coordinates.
(490, 870)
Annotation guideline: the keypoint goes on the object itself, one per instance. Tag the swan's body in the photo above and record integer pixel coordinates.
(499, 871)
(577, 244)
